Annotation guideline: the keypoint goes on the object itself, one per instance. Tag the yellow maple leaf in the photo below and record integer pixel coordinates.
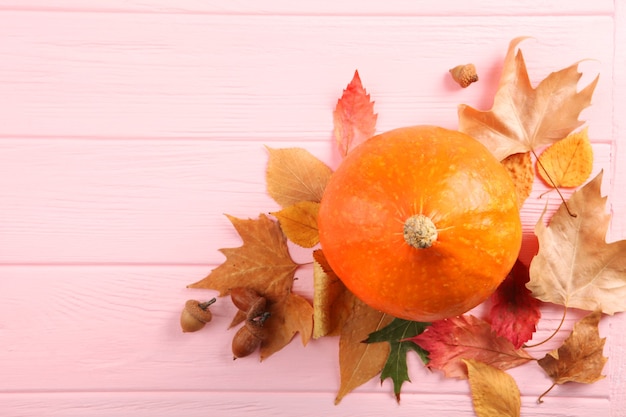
(494, 392)
(568, 162)
(524, 118)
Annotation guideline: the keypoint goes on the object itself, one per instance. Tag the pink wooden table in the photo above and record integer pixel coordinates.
(127, 129)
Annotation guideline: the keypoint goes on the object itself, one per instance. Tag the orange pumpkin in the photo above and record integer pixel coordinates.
(421, 223)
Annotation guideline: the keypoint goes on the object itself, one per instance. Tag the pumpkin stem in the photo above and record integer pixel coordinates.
(419, 231)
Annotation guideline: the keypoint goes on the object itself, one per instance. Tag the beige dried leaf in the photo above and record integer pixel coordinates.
(494, 392)
(294, 175)
(331, 300)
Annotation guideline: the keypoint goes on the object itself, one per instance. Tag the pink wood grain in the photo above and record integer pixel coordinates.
(127, 130)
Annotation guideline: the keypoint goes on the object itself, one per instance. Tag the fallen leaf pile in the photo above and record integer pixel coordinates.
(533, 131)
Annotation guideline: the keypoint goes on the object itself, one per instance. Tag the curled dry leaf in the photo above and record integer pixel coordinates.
(524, 118)
(494, 392)
(299, 223)
(294, 175)
(354, 118)
(331, 299)
(360, 362)
(567, 163)
(449, 341)
(580, 358)
(514, 312)
(575, 267)
(520, 168)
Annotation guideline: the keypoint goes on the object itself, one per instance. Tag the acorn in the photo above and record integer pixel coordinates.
(243, 297)
(195, 315)
(464, 75)
(250, 336)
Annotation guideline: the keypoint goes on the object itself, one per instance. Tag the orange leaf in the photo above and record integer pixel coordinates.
(567, 163)
(520, 168)
(354, 118)
(580, 357)
(494, 392)
(360, 362)
(299, 223)
(294, 175)
(524, 118)
(575, 267)
(449, 341)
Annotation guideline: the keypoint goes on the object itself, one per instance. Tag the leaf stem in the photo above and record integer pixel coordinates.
(553, 333)
(540, 399)
(553, 184)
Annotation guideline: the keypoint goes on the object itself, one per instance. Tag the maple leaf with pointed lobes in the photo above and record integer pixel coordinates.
(264, 265)
(522, 118)
(397, 334)
(580, 357)
(451, 340)
(514, 312)
(354, 118)
(574, 266)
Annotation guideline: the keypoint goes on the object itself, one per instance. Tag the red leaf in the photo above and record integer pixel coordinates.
(449, 341)
(354, 118)
(514, 311)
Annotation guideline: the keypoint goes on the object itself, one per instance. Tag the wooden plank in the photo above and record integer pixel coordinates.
(81, 328)
(326, 7)
(254, 404)
(150, 201)
(271, 77)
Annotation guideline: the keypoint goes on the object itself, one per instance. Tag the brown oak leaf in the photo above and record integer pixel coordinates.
(580, 358)
(575, 267)
(524, 118)
(514, 312)
(354, 118)
(567, 163)
(264, 265)
(294, 175)
(494, 392)
(299, 223)
(451, 340)
(360, 362)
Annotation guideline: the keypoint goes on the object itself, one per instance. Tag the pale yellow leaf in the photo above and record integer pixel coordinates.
(567, 163)
(494, 392)
(299, 223)
(294, 175)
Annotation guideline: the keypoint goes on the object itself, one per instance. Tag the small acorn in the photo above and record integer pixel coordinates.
(464, 75)
(249, 337)
(195, 315)
(243, 298)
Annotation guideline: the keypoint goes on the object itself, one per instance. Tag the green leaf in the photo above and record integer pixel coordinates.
(397, 334)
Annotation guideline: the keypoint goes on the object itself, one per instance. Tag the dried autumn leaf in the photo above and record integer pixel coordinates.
(299, 223)
(449, 341)
(262, 263)
(354, 118)
(522, 118)
(580, 357)
(331, 299)
(494, 392)
(360, 362)
(520, 168)
(575, 267)
(514, 312)
(397, 334)
(294, 175)
(567, 163)
(290, 315)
